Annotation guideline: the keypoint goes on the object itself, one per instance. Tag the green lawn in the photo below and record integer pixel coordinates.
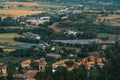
(11, 59)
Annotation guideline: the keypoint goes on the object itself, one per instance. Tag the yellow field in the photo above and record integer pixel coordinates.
(28, 8)
(22, 3)
(48, 5)
(7, 39)
(19, 13)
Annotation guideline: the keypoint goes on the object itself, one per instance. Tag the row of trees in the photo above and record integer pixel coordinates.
(9, 22)
(26, 39)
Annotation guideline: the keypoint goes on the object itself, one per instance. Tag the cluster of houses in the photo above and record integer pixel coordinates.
(88, 62)
(33, 22)
(74, 9)
(30, 73)
(41, 20)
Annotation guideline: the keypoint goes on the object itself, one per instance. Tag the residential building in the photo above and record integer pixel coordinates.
(26, 63)
(32, 35)
(62, 63)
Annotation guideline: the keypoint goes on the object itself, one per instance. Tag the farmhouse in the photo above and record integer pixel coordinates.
(26, 63)
(32, 35)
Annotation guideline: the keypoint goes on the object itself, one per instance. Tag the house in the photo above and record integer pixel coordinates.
(103, 46)
(59, 63)
(101, 61)
(91, 58)
(62, 63)
(53, 55)
(3, 70)
(47, 18)
(30, 74)
(63, 11)
(90, 61)
(70, 32)
(89, 65)
(26, 63)
(32, 35)
(30, 79)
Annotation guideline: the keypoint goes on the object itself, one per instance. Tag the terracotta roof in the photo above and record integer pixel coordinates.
(31, 73)
(99, 60)
(28, 61)
(60, 63)
(79, 63)
(30, 79)
(90, 63)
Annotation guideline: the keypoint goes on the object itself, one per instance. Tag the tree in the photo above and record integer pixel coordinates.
(1, 50)
(112, 68)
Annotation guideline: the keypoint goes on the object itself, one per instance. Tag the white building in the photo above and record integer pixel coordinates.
(32, 35)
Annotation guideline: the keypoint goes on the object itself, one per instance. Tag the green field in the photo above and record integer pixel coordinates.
(110, 36)
(7, 39)
(11, 59)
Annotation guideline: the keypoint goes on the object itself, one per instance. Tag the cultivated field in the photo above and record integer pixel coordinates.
(30, 4)
(18, 13)
(113, 18)
(7, 39)
(18, 9)
(22, 3)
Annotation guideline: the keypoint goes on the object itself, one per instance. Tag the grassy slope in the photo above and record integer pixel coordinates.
(7, 39)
